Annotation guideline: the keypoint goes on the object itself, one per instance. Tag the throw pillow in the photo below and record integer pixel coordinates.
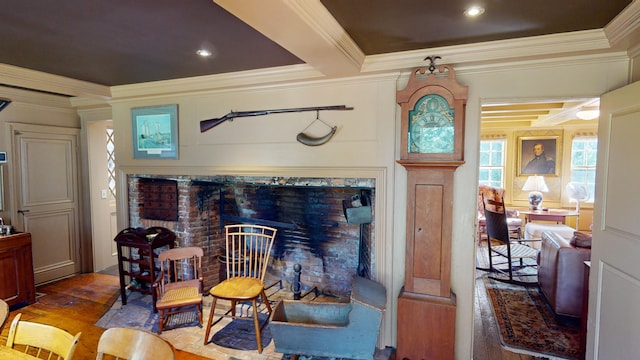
(581, 240)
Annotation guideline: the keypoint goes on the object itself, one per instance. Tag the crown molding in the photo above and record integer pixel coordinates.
(389, 65)
(33, 98)
(624, 25)
(520, 65)
(55, 84)
(634, 51)
(95, 114)
(148, 91)
(226, 81)
(523, 49)
(88, 103)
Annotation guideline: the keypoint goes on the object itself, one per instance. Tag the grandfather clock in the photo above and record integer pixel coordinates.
(433, 110)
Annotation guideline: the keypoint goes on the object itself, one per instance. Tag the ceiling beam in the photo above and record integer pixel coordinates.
(568, 113)
(306, 29)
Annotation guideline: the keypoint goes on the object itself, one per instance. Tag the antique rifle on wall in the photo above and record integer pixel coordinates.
(211, 123)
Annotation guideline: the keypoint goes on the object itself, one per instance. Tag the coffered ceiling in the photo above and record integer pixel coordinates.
(119, 42)
(542, 113)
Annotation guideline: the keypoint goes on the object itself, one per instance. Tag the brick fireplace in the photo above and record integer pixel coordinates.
(310, 214)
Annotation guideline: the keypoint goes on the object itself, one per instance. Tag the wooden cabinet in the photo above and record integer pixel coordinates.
(17, 286)
(138, 249)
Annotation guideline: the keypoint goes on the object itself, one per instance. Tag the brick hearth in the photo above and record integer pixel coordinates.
(308, 212)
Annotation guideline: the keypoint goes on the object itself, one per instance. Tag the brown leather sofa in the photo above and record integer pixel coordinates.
(561, 271)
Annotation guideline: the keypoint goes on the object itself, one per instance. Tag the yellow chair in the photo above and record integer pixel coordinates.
(133, 344)
(41, 340)
(248, 248)
(179, 285)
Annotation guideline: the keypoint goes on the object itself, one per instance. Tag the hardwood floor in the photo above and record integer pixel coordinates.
(75, 304)
(486, 342)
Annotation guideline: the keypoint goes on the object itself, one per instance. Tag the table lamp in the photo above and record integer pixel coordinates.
(536, 185)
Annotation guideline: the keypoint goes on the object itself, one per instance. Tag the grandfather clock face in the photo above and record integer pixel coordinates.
(431, 126)
(432, 121)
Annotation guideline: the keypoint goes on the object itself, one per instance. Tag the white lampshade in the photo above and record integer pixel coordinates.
(536, 185)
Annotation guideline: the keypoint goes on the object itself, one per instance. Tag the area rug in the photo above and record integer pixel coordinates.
(527, 324)
(230, 339)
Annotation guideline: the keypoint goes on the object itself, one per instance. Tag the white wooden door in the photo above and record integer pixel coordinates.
(614, 299)
(47, 197)
(103, 205)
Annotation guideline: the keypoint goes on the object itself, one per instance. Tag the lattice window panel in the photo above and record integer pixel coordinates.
(111, 163)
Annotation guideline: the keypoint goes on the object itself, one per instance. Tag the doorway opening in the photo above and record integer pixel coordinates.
(505, 126)
(102, 185)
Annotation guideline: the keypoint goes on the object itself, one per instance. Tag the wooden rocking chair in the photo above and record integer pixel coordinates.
(501, 244)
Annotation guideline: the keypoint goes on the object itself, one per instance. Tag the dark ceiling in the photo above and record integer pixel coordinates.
(121, 42)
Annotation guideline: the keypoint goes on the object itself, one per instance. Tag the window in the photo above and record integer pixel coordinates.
(111, 163)
(492, 153)
(584, 151)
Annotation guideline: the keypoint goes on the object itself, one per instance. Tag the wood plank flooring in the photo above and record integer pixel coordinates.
(486, 339)
(75, 304)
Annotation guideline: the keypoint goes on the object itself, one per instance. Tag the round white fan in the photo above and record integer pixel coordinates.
(578, 192)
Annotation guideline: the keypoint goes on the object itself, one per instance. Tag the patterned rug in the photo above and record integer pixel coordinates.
(527, 324)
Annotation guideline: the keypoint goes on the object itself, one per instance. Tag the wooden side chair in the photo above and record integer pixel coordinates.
(248, 249)
(4, 313)
(179, 285)
(505, 244)
(41, 340)
(123, 343)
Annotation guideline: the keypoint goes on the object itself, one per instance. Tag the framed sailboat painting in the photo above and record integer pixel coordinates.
(155, 132)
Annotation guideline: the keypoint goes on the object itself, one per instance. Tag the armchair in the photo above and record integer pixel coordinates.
(514, 222)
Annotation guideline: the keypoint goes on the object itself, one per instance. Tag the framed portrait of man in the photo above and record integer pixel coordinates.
(538, 156)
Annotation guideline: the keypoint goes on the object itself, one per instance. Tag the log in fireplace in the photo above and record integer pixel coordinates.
(310, 214)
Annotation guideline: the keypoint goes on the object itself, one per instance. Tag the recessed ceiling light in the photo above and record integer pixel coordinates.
(204, 53)
(474, 11)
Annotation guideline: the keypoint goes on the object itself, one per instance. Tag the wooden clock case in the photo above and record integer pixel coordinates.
(426, 305)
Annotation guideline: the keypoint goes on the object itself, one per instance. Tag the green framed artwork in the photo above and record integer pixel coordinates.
(155, 132)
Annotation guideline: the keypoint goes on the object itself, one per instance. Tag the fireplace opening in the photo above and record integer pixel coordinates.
(324, 225)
